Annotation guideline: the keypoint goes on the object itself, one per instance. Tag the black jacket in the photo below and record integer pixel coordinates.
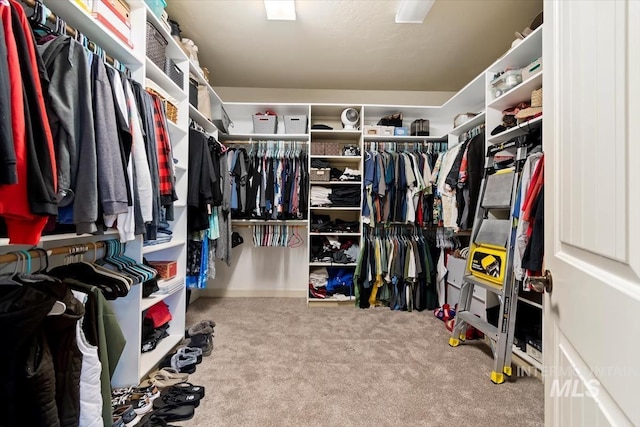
(40, 164)
(8, 173)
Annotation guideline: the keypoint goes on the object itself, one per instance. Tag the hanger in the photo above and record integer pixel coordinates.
(44, 255)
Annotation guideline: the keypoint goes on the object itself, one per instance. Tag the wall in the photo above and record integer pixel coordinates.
(331, 96)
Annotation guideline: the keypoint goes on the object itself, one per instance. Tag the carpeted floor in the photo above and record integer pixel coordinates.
(277, 362)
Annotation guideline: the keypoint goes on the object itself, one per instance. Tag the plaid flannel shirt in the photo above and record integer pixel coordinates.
(165, 158)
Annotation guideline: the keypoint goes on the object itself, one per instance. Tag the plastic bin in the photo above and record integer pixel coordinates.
(156, 6)
(295, 124)
(265, 124)
(507, 81)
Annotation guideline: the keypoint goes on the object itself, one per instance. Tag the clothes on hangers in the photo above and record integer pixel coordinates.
(395, 268)
(107, 164)
(25, 203)
(269, 182)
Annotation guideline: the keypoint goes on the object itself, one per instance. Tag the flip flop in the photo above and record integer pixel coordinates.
(186, 387)
(166, 377)
(175, 413)
(177, 399)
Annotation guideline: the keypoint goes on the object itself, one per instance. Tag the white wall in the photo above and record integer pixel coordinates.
(331, 96)
(261, 272)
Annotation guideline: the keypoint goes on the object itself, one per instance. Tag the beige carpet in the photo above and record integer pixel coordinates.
(277, 362)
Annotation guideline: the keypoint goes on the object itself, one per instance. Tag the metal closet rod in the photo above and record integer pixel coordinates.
(61, 250)
(70, 30)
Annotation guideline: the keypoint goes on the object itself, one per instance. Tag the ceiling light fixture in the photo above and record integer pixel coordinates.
(413, 11)
(280, 10)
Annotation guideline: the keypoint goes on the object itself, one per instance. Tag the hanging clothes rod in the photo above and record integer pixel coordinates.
(61, 250)
(51, 17)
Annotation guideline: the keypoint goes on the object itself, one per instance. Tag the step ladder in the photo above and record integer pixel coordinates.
(490, 260)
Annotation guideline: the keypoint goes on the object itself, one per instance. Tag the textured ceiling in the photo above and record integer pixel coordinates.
(350, 44)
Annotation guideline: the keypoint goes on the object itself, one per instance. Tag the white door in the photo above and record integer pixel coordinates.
(591, 93)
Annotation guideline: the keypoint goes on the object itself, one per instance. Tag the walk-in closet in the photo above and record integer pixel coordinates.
(319, 213)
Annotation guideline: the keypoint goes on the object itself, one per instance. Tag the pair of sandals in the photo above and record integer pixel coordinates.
(177, 403)
(184, 360)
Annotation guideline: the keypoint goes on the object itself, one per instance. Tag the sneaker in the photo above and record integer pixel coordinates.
(126, 413)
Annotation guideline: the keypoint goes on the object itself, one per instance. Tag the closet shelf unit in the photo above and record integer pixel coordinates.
(200, 119)
(133, 364)
(336, 134)
(255, 137)
(249, 222)
(163, 246)
(335, 208)
(518, 94)
(77, 17)
(332, 233)
(521, 129)
(156, 297)
(354, 159)
(469, 124)
(527, 51)
(401, 139)
(332, 264)
(160, 78)
(336, 182)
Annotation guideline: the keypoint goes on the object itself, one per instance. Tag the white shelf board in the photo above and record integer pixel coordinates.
(335, 208)
(332, 135)
(303, 222)
(469, 98)
(347, 158)
(532, 303)
(75, 16)
(335, 182)
(264, 137)
(520, 93)
(109, 234)
(150, 359)
(524, 356)
(161, 79)
(195, 70)
(521, 129)
(175, 131)
(521, 55)
(469, 124)
(315, 233)
(156, 297)
(199, 118)
(331, 264)
(373, 112)
(162, 246)
(394, 138)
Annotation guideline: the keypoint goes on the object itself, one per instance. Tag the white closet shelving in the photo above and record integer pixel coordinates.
(133, 364)
(327, 145)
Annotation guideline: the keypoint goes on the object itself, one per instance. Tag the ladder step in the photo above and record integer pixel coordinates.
(496, 206)
(486, 284)
(485, 327)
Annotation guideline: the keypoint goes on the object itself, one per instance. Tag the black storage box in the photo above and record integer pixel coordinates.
(174, 72)
(420, 127)
(193, 92)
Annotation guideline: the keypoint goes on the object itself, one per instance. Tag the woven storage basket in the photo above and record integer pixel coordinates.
(156, 46)
(174, 72)
(263, 123)
(172, 110)
(295, 124)
(317, 148)
(322, 174)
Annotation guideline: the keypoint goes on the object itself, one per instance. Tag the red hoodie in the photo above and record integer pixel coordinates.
(23, 227)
